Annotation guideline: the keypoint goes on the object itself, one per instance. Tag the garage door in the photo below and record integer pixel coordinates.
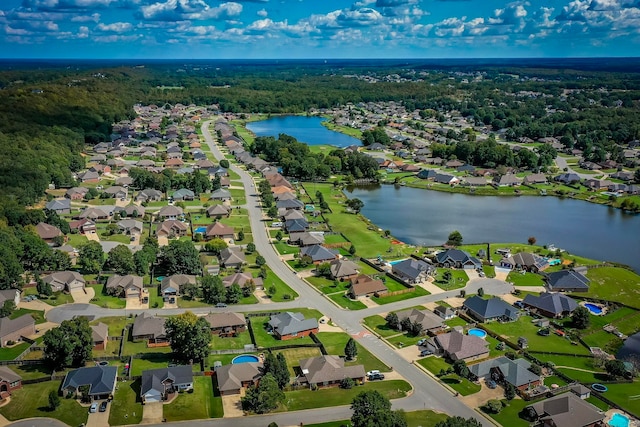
(152, 397)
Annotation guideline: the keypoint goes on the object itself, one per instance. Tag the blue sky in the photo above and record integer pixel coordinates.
(215, 29)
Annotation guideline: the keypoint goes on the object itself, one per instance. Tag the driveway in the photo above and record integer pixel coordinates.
(83, 295)
(163, 241)
(263, 298)
(151, 413)
(502, 273)
(471, 273)
(92, 236)
(99, 419)
(135, 303)
(231, 406)
(485, 394)
(35, 305)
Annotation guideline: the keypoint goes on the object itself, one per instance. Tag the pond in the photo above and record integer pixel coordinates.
(424, 217)
(305, 129)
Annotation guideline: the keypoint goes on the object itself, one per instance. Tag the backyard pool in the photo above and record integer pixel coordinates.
(397, 261)
(245, 358)
(200, 230)
(594, 309)
(619, 420)
(477, 332)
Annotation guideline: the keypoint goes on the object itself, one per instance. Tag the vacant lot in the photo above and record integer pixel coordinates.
(614, 284)
(198, 404)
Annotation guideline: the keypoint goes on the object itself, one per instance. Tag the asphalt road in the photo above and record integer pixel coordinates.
(427, 392)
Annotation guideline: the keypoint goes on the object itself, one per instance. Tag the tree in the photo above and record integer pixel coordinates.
(392, 320)
(189, 336)
(54, 400)
(43, 287)
(459, 422)
(494, 406)
(213, 291)
(352, 250)
(615, 368)
(480, 292)
(273, 211)
(224, 163)
(120, 260)
(447, 276)
(263, 398)
(277, 366)
(372, 409)
(69, 344)
(351, 349)
(460, 367)
(7, 308)
(509, 391)
(454, 239)
(347, 383)
(532, 240)
(279, 235)
(181, 257)
(233, 294)
(580, 318)
(323, 270)
(251, 247)
(240, 236)
(260, 261)
(355, 204)
(91, 257)
(215, 245)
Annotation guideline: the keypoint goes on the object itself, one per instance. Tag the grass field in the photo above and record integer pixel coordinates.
(10, 353)
(458, 280)
(626, 395)
(38, 316)
(509, 416)
(424, 418)
(32, 400)
(219, 343)
(418, 292)
(377, 324)
(461, 385)
(199, 404)
(334, 343)
(526, 279)
(106, 301)
(614, 284)
(345, 302)
(126, 407)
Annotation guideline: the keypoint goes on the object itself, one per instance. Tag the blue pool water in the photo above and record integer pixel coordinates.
(477, 332)
(201, 229)
(619, 420)
(245, 358)
(594, 309)
(397, 261)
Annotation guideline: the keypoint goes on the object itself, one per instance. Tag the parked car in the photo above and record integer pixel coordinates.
(491, 384)
(221, 305)
(93, 408)
(423, 341)
(377, 376)
(425, 353)
(373, 372)
(103, 406)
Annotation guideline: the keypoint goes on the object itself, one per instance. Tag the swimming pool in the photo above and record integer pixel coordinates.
(397, 261)
(619, 420)
(200, 229)
(477, 332)
(245, 358)
(594, 309)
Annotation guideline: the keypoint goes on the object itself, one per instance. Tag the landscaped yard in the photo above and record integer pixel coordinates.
(32, 400)
(38, 316)
(458, 280)
(334, 343)
(266, 340)
(509, 416)
(377, 324)
(220, 343)
(115, 324)
(614, 284)
(434, 364)
(344, 301)
(461, 385)
(423, 418)
(10, 353)
(627, 395)
(525, 279)
(132, 348)
(199, 404)
(106, 301)
(387, 299)
(126, 407)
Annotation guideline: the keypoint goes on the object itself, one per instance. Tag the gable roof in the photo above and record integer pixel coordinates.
(8, 375)
(58, 204)
(364, 285)
(232, 256)
(318, 253)
(153, 379)
(551, 302)
(241, 279)
(567, 410)
(516, 372)
(343, 268)
(226, 319)
(457, 256)
(169, 210)
(46, 231)
(526, 259)
(411, 267)
(289, 323)
(124, 282)
(218, 229)
(148, 324)
(567, 279)
(328, 368)
(61, 279)
(100, 379)
(99, 332)
(9, 326)
(176, 281)
(221, 193)
(426, 318)
(490, 308)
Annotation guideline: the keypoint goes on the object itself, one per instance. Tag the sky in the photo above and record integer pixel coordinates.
(257, 29)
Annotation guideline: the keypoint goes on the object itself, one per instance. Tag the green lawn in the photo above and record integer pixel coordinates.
(32, 400)
(418, 292)
(434, 364)
(29, 372)
(266, 340)
(458, 280)
(38, 316)
(526, 279)
(10, 353)
(461, 385)
(284, 249)
(614, 284)
(327, 286)
(154, 361)
(423, 418)
(198, 404)
(626, 395)
(283, 291)
(377, 324)
(126, 407)
(106, 301)
(334, 343)
(333, 396)
(219, 343)
(132, 348)
(509, 416)
(115, 324)
(345, 302)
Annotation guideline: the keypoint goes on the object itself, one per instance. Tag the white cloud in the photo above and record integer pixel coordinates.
(176, 10)
(262, 12)
(116, 27)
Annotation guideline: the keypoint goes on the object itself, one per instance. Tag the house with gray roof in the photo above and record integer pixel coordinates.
(567, 178)
(343, 269)
(307, 238)
(10, 295)
(525, 261)
(130, 226)
(170, 212)
(218, 211)
(456, 258)
(567, 410)
(288, 325)
(100, 379)
(159, 384)
(457, 346)
(290, 204)
(296, 225)
(183, 194)
(445, 312)
(235, 377)
(149, 195)
(327, 371)
(95, 213)
(128, 286)
(13, 330)
(131, 211)
(64, 281)
(412, 270)
(76, 193)
(221, 194)
(431, 323)
(9, 381)
(241, 279)
(116, 191)
(506, 371)
(551, 304)
(59, 206)
(318, 253)
(171, 285)
(232, 257)
(567, 281)
(226, 324)
(485, 310)
(146, 326)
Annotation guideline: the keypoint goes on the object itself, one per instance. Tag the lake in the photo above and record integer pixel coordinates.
(305, 129)
(631, 347)
(424, 217)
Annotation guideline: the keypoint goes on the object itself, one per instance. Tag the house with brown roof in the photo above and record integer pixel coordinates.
(232, 257)
(235, 377)
(525, 261)
(84, 226)
(100, 336)
(327, 371)
(149, 327)
(48, 232)
(174, 163)
(226, 324)
(219, 230)
(218, 211)
(343, 269)
(128, 286)
(64, 280)
(170, 212)
(13, 330)
(567, 410)
(9, 381)
(535, 178)
(172, 228)
(242, 279)
(431, 323)
(363, 285)
(171, 285)
(76, 193)
(457, 346)
(95, 213)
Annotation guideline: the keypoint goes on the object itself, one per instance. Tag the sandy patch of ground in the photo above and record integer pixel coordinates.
(510, 298)
(472, 274)
(531, 288)
(409, 353)
(306, 273)
(83, 296)
(287, 257)
(231, 405)
(134, 303)
(483, 396)
(263, 298)
(367, 301)
(163, 241)
(430, 305)
(41, 328)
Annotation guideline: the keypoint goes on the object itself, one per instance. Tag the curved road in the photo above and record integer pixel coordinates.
(427, 392)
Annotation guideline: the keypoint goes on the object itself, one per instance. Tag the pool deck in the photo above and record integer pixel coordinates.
(633, 422)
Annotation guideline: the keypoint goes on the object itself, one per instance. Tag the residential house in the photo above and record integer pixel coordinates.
(443, 178)
(444, 312)
(551, 304)
(598, 184)
(95, 213)
(88, 176)
(412, 270)
(10, 295)
(363, 285)
(294, 214)
(130, 211)
(170, 212)
(289, 204)
(128, 286)
(59, 206)
(148, 327)
(535, 178)
(506, 371)
(455, 258)
(567, 281)
(453, 164)
(130, 226)
(9, 381)
(525, 261)
(318, 253)
(457, 346)
(116, 191)
(76, 193)
(288, 325)
(172, 228)
(219, 230)
(307, 238)
(242, 279)
(431, 323)
(429, 174)
(233, 378)
(484, 310)
(13, 330)
(226, 324)
(100, 336)
(475, 181)
(159, 384)
(84, 226)
(218, 211)
(328, 370)
(64, 281)
(567, 178)
(343, 269)
(149, 195)
(205, 164)
(183, 194)
(48, 232)
(170, 285)
(232, 257)
(175, 162)
(100, 379)
(221, 194)
(567, 410)
(298, 225)
(124, 181)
